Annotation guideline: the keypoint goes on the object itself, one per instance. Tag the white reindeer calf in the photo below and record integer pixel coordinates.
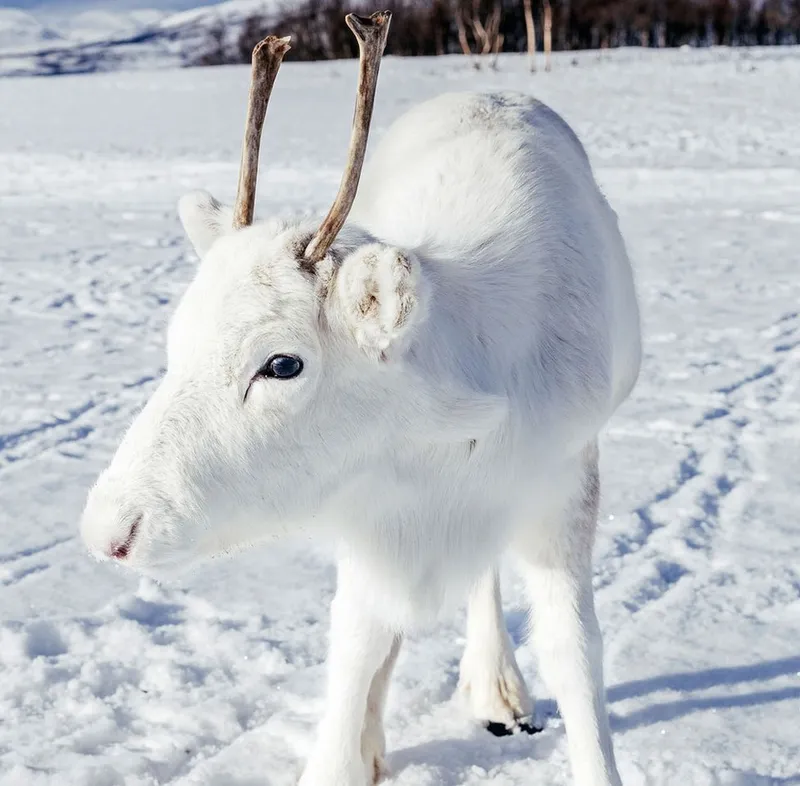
(422, 385)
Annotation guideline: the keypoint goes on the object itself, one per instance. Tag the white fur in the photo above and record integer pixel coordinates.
(470, 333)
(489, 676)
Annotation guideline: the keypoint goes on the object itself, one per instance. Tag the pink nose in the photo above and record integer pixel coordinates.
(121, 550)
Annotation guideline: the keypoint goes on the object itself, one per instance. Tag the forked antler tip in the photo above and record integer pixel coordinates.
(272, 46)
(371, 33)
(267, 57)
(364, 27)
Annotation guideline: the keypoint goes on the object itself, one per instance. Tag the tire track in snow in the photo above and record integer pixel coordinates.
(17, 566)
(44, 436)
(707, 477)
(12, 439)
(32, 551)
(87, 304)
(92, 302)
(58, 431)
(16, 576)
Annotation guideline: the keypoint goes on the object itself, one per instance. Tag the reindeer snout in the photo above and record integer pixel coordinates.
(110, 529)
(122, 549)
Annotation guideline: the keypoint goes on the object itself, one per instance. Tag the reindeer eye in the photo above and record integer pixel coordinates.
(282, 367)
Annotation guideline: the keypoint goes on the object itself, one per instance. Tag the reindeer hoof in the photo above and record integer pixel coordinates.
(501, 730)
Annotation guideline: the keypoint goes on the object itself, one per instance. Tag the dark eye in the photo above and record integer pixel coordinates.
(281, 367)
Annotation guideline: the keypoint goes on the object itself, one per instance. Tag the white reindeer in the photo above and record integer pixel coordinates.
(423, 386)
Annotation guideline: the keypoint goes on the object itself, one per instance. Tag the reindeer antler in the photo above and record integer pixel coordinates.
(371, 34)
(267, 56)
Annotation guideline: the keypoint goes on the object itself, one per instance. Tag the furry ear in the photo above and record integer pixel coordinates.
(204, 219)
(380, 296)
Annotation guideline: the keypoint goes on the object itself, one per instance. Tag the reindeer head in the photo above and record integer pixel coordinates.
(287, 375)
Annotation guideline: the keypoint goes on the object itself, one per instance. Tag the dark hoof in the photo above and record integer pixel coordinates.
(501, 730)
(530, 727)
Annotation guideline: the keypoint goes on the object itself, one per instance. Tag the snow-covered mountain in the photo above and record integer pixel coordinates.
(20, 29)
(51, 40)
(48, 10)
(96, 25)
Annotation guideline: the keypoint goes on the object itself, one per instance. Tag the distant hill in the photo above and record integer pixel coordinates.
(49, 39)
(62, 8)
(20, 29)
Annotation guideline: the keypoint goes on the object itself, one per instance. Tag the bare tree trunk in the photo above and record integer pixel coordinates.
(478, 30)
(485, 34)
(438, 31)
(498, 45)
(478, 25)
(563, 27)
(530, 28)
(548, 33)
(462, 30)
(491, 32)
(660, 31)
(661, 35)
(485, 31)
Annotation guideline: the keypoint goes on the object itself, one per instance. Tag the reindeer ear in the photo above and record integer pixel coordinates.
(204, 219)
(380, 296)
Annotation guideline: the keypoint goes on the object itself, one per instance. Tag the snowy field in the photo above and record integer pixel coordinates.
(106, 680)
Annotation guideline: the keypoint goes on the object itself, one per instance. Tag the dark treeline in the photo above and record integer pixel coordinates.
(436, 27)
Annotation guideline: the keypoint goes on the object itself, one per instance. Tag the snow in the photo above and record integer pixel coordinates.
(108, 680)
(97, 25)
(20, 29)
(100, 39)
(230, 9)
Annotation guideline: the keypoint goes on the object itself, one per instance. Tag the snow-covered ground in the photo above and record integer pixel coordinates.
(106, 680)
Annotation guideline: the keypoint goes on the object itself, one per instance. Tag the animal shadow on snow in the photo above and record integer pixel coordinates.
(489, 752)
(480, 749)
(688, 682)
